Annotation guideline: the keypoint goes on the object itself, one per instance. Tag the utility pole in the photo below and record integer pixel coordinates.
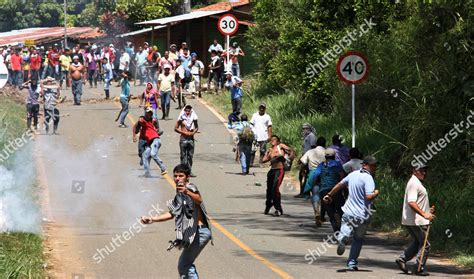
(65, 23)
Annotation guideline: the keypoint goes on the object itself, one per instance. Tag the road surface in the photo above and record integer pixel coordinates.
(94, 190)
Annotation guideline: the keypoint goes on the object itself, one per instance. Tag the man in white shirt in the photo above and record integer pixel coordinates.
(262, 129)
(124, 63)
(197, 70)
(187, 126)
(215, 46)
(416, 218)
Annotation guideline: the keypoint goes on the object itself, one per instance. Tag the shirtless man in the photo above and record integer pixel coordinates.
(77, 77)
(193, 231)
(276, 156)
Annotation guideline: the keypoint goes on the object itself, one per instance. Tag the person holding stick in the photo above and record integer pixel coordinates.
(416, 218)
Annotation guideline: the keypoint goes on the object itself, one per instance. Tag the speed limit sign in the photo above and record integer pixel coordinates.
(352, 67)
(228, 24)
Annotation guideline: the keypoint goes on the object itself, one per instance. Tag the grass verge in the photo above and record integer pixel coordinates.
(21, 254)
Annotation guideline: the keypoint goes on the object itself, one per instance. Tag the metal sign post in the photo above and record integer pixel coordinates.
(228, 25)
(352, 68)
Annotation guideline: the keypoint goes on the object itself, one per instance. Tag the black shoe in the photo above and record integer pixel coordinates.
(402, 265)
(341, 246)
(421, 273)
(267, 210)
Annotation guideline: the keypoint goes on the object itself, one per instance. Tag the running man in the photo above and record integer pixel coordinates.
(357, 209)
(75, 73)
(234, 85)
(187, 126)
(148, 128)
(193, 230)
(309, 142)
(276, 156)
(416, 218)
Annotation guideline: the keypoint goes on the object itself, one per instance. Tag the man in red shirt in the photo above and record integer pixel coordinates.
(53, 60)
(16, 63)
(148, 128)
(35, 65)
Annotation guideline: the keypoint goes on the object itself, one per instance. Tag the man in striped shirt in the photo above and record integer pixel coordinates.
(193, 230)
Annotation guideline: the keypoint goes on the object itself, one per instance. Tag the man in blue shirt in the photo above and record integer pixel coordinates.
(325, 177)
(234, 84)
(124, 99)
(357, 209)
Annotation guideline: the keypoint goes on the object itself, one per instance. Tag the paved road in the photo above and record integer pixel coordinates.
(94, 190)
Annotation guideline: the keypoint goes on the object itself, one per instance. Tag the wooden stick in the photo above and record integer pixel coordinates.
(424, 246)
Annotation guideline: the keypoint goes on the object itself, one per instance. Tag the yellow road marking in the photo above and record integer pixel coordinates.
(228, 234)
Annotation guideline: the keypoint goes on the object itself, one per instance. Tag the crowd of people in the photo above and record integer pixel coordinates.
(338, 180)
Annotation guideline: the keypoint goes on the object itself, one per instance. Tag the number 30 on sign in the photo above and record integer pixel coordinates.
(228, 24)
(352, 67)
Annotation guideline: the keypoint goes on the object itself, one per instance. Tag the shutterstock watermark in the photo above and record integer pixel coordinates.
(433, 148)
(336, 50)
(120, 239)
(14, 144)
(332, 239)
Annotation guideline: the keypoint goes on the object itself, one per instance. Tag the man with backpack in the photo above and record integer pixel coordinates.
(245, 141)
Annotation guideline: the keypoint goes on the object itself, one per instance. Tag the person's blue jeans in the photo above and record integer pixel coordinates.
(165, 97)
(17, 79)
(142, 73)
(236, 70)
(356, 227)
(245, 153)
(124, 111)
(76, 87)
(151, 152)
(45, 72)
(186, 267)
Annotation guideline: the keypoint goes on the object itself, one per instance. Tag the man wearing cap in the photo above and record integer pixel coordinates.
(262, 129)
(357, 209)
(309, 142)
(325, 177)
(197, 70)
(187, 126)
(75, 73)
(167, 90)
(234, 85)
(148, 128)
(416, 217)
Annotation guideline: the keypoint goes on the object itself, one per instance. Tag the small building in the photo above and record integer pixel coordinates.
(198, 29)
(48, 36)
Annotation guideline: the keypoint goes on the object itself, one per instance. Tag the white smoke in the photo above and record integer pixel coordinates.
(19, 210)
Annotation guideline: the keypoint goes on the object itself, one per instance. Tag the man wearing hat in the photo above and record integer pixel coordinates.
(76, 70)
(234, 85)
(357, 209)
(416, 217)
(197, 70)
(166, 88)
(262, 129)
(326, 176)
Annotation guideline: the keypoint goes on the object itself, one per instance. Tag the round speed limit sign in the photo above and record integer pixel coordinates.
(228, 24)
(352, 67)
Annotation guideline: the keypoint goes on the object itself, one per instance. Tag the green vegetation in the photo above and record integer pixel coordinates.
(420, 84)
(21, 254)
